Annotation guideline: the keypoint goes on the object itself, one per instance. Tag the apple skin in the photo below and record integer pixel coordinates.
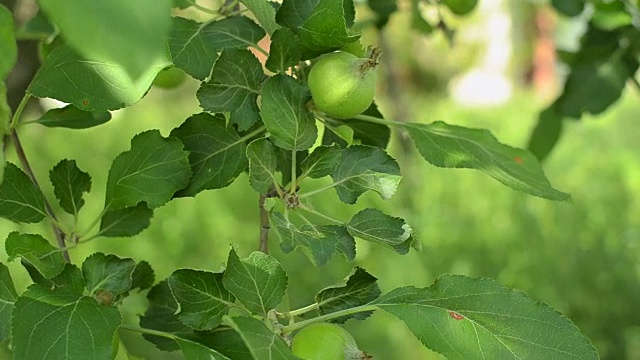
(460, 7)
(342, 85)
(325, 341)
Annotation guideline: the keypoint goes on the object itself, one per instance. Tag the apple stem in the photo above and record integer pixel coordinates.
(372, 61)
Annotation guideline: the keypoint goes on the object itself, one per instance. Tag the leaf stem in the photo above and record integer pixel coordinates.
(310, 193)
(299, 325)
(261, 50)
(202, 8)
(148, 331)
(377, 120)
(317, 213)
(60, 236)
(18, 114)
(293, 172)
(301, 311)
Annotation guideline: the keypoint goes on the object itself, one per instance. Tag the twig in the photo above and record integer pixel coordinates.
(27, 168)
(264, 225)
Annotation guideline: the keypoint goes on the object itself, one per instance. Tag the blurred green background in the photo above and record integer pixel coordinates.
(579, 257)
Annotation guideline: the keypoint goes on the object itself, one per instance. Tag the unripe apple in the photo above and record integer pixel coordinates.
(342, 84)
(326, 341)
(460, 7)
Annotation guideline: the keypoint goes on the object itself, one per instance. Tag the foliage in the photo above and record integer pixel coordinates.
(261, 123)
(608, 57)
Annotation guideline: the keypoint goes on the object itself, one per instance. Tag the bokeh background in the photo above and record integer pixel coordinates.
(580, 257)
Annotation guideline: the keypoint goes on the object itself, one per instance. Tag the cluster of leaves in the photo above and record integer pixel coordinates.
(254, 121)
(608, 58)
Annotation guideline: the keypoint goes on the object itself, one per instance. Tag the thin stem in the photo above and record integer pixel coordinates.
(310, 193)
(202, 8)
(93, 224)
(147, 331)
(16, 116)
(317, 213)
(261, 50)
(264, 225)
(299, 325)
(293, 172)
(27, 168)
(301, 311)
(376, 120)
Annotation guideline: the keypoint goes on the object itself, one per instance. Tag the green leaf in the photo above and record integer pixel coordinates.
(345, 243)
(285, 158)
(368, 133)
(143, 276)
(70, 279)
(182, 4)
(418, 23)
(69, 183)
(320, 25)
(194, 46)
(152, 171)
(593, 85)
(341, 135)
(126, 222)
(569, 7)
(383, 9)
(317, 246)
(285, 114)
(8, 46)
(264, 13)
(615, 14)
(321, 162)
(73, 118)
(453, 146)
(285, 51)
(262, 342)
(546, 133)
(194, 351)
(108, 273)
(129, 33)
(258, 281)
(38, 28)
(375, 226)
(91, 85)
(359, 289)
(234, 84)
(5, 118)
(161, 316)
(201, 297)
(262, 165)
(35, 250)
(217, 154)
(8, 297)
(365, 168)
(62, 325)
(465, 318)
(20, 200)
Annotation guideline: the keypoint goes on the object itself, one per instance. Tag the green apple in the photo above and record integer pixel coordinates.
(326, 341)
(342, 84)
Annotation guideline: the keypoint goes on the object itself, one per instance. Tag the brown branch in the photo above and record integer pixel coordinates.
(27, 168)
(264, 225)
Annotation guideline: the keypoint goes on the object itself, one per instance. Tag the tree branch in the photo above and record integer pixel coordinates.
(264, 225)
(27, 168)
